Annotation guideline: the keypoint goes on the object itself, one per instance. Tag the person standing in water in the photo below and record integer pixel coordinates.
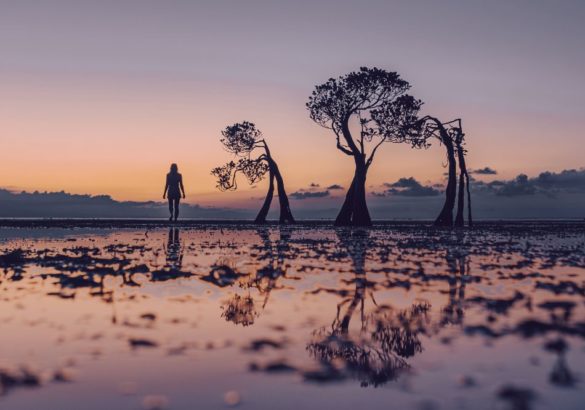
(174, 190)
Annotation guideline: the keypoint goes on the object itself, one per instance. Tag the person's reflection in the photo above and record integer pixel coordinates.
(174, 250)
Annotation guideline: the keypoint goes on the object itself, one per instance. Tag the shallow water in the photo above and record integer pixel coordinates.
(214, 316)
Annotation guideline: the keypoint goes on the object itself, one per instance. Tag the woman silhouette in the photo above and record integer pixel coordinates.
(174, 190)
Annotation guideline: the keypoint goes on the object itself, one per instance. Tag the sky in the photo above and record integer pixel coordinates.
(99, 97)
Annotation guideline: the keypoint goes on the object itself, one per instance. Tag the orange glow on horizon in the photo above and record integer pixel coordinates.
(120, 140)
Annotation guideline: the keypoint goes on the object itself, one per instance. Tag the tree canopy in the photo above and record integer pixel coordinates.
(378, 99)
(241, 139)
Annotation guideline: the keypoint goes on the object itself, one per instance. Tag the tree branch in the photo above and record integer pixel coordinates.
(343, 149)
(371, 158)
(348, 138)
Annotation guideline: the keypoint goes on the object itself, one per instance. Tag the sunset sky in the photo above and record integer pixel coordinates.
(99, 97)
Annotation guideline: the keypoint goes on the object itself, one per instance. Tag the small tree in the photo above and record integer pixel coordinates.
(459, 138)
(244, 140)
(451, 135)
(375, 101)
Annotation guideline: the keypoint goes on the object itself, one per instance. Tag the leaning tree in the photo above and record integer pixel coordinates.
(450, 135)
(254, 161)
(459, 139)
(364, 109)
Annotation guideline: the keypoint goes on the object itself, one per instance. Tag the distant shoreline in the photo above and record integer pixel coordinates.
(187, 223)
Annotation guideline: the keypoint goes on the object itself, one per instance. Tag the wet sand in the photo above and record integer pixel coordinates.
(145, 315)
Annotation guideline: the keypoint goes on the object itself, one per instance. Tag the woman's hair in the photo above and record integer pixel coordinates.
(174, 169)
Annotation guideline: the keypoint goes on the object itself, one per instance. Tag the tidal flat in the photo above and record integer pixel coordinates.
(212, 316)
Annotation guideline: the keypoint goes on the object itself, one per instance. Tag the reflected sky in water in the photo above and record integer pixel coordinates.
(291, 317)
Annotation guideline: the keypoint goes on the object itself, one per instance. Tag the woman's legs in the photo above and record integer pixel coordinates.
(174, 208)
(171, 207)
(177, 208)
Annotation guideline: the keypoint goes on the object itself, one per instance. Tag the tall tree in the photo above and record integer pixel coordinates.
(244, 140)
(373, 101)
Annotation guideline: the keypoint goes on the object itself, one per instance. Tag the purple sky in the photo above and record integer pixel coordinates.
(159, 79)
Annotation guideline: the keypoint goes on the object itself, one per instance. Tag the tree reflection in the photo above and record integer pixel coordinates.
(242, 310)
(458, 267)
(266, 278)
(387, 337)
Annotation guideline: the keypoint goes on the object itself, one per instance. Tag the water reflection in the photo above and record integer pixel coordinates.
(325, 305)
(458, 266)
(560, 375)
(272, 255)
(377, 353)
(270, 266)
(174, 249)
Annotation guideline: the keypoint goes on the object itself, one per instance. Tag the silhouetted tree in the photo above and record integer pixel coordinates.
(375, 101)
(435, 128)
(451, 135)
(459, 139)
(243, 140)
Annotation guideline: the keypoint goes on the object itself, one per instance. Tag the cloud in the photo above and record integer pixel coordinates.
(308, 194)
(334, 187)
(570, 180)
(484, 171)
(407, 187)
(519, 186)
(65, 205)
(382, 194)
(546, 183)
(546, 195)
(312, 192)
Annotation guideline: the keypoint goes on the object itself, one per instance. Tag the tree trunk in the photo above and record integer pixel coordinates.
(445, 218)
(285, 212)
(354, 211)
(344, 215)
(361, 215)
(463, 187)
(261, 218)
(355, 242)
(358, 298)
(459, 219)
(469, 218)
